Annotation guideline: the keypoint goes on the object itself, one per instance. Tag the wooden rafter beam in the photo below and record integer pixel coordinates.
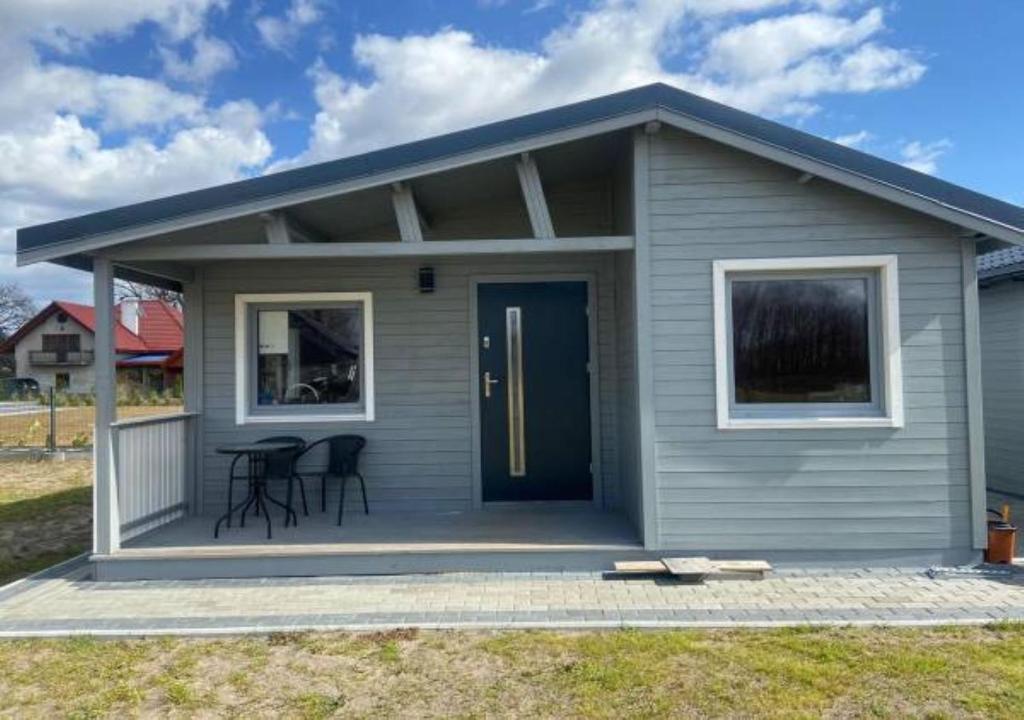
(409, 224)
(533, 195)
(281, 228)
(175, 272)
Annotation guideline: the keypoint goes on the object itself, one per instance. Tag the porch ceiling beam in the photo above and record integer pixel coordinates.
(533, 195)
(175, 272)
(116, 237)
(282, 228)
(408, 217)
(434, 248)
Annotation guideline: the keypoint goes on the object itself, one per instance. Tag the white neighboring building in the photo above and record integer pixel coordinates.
(55, 347)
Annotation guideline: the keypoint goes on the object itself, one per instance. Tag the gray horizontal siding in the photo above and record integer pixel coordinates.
(1002, 355)
(419, 453)
(790, 490)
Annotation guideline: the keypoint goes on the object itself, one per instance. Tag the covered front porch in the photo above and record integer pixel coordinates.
(423, 463)
(543, 538)
(385, 278)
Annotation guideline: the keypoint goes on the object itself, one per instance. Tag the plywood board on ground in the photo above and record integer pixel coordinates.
(641, 567)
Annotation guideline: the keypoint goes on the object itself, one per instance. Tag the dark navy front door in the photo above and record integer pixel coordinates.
(534, 391)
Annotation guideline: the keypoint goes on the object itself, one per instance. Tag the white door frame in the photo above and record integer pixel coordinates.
(475, 281)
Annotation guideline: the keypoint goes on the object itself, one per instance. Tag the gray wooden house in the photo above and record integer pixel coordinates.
(1001, 289)
(641, 324)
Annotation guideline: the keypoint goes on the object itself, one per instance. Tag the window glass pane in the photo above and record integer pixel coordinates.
(62, 343)
(801, 341)
(309, 356)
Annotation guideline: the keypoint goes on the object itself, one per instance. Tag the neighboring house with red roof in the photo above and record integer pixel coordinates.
(56, 346)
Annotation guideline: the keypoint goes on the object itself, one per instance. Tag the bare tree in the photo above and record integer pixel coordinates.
(128, 290)
(16, 308)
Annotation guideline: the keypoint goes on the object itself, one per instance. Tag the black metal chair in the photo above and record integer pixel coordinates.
(343, 463)
(281, 466)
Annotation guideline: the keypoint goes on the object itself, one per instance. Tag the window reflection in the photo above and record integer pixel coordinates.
(309, 356)
(801, 341)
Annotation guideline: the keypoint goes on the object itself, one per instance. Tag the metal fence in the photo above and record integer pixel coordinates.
(57, 421)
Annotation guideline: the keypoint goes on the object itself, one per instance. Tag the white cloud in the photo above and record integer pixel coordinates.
(780, 67)
(769, 47)
(31, 92)
(73, 139)
(67, 164)
(210, 57)
(66, 24)
(854, 140)
(924, 157)
(281, 33)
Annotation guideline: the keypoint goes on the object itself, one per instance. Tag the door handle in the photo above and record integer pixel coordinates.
(488, 382)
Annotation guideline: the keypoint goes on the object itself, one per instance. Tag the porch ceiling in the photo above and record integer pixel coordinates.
(67, 241)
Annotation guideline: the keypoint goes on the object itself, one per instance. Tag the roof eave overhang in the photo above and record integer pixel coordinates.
(93, 243)
(843, 176)
(74, 252)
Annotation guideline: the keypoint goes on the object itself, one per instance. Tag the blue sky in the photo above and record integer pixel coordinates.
(104, 102)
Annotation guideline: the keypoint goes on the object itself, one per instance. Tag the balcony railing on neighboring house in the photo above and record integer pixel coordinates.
(153, 463)
(60, 357)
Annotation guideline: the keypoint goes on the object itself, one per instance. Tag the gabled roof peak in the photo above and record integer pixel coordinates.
(160, 329)
(62, 240)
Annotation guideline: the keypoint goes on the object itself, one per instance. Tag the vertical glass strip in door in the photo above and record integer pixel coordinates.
(516, 434)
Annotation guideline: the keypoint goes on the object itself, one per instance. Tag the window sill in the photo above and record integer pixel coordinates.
(303, 418)
(808, 423)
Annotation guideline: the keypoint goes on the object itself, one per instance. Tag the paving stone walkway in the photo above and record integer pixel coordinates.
(66, 601)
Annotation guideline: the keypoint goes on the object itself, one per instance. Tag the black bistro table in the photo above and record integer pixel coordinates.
(256, 456)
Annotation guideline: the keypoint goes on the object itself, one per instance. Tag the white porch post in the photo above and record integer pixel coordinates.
(106, 523)
(644, 335)
(193, 369)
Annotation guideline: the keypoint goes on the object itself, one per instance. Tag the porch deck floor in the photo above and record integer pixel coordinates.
(535, 529)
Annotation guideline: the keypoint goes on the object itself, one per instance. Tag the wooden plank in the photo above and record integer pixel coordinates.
(688, 565)
(742, 566)
(741, 569)
(641, 567)
(689, 569)
(696, 569)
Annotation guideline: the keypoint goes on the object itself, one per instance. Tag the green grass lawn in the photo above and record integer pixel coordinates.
(45, 514)
(935, 673)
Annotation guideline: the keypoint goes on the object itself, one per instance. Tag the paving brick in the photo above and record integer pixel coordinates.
(70, 602)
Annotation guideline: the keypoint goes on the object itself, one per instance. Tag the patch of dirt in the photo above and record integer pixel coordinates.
(45, 513)
(396, 635)
(64, 527)
(23, 479)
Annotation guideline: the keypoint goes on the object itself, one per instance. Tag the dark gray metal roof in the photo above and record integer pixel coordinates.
(999, 264)
(648, 97)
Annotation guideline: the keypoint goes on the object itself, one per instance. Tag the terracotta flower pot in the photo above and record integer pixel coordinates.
(1001, 543)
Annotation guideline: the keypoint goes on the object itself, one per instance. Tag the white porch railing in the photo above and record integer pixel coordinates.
(153, 466)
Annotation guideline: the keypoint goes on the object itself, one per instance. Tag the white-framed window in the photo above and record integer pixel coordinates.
(807, 342)
(303, 357)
